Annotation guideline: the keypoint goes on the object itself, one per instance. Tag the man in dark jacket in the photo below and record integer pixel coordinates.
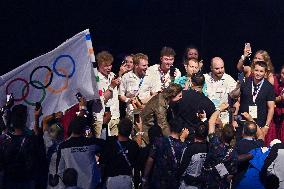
(18, 153)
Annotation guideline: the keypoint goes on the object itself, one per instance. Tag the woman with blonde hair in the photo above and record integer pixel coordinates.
(260, 55)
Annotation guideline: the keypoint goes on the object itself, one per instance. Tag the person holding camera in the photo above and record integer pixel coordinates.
(5, 122)
(246, 63)
(53, 135)
(221, 160)
(252, 138)
(108, 90)
(159, 76)
(79, 152)
(126, 65)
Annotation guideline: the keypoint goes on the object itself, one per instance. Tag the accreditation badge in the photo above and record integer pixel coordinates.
(222, 170)
(253, 111)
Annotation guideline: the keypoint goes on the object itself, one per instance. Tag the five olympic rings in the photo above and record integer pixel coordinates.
(61, 72)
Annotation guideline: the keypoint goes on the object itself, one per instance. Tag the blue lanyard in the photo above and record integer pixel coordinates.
(123, 153)
(141, 81)
(174, 153)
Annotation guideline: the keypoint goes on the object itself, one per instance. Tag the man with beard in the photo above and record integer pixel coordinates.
(219, 85)
(131, 82)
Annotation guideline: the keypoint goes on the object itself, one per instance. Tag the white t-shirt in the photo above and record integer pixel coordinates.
(130, 86)
(217, 91)
(155, 81)
(99, 105)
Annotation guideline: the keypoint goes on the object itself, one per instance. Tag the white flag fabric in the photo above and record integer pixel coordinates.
(54, 78)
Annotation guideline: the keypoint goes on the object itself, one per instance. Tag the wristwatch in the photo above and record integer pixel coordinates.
(266, 125)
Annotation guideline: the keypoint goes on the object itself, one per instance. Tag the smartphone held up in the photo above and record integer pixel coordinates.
(78, 96)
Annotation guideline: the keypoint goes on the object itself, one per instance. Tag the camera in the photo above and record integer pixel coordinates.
(88, 131)
(136, 118)
(78, 96)
(37, 106)
(107, 109)
(116, 76)
(172, 71)
(10, 97)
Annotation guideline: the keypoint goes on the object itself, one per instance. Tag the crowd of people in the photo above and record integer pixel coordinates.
(155, 128)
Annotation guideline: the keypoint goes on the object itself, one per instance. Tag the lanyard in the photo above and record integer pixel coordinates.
(163, 78)
(255, 93)
(123, 153)
(140, 83)
(174, 153)
(139, 86)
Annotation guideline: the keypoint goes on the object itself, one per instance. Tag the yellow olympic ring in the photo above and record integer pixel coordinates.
(56, 91)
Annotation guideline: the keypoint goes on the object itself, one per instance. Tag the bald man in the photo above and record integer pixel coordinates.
(218, 85)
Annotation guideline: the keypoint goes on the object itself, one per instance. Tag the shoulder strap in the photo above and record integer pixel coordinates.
(123, 153)
(21, 147)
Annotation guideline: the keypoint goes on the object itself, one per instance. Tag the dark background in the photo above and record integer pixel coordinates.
(218, 28)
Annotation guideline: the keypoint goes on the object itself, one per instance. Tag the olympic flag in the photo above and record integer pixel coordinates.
(54, 78)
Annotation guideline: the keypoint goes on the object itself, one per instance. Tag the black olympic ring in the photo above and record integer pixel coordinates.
(32, 81)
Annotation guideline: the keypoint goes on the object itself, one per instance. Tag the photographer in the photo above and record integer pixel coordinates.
(52, 136)
(5, 122)
(252, 138)
(79, 152)
(220, 164)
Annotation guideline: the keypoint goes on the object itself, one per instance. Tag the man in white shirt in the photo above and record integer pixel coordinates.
(107, 86)
(219, 85)
(158, 76)
(131, 82)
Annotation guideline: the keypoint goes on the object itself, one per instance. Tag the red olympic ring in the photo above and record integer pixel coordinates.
(56, 91)
(27, 90)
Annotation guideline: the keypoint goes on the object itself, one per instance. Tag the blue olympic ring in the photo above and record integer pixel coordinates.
(56, 61)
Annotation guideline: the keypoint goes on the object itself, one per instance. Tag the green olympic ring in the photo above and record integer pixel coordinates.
(43, 95)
